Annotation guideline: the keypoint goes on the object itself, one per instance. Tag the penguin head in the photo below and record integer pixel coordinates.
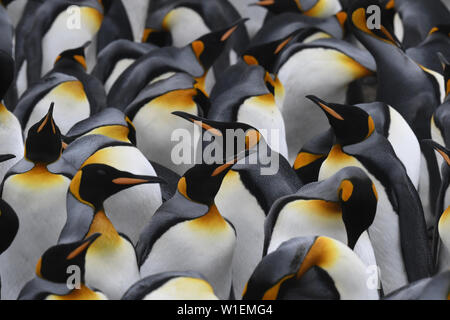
(94, 183)
(359, 199)
(202, 182)
(265, 54)
(6, 3)
(279, 6)
(210, 46)
(76, 56)
(43, 143)
(55, 262)
(226, 129)
(350, 124)
(360, 16)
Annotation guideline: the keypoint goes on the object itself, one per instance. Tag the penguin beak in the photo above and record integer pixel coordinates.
(84, 245)
(282, 45)
(201, 122)
(326, 107)
(132, 180)
(227, 165)
(48, 120)
(263, 3)
(227, 34)
(6, 157)
(444, 152)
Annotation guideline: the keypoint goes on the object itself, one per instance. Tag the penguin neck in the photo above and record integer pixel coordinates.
(102, 224)
(66, 64)
(212, 221)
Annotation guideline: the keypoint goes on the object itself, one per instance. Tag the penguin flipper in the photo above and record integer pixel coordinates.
(39, 289)
(376, 154)
(170, 213)
(435, 288)
(79, 219)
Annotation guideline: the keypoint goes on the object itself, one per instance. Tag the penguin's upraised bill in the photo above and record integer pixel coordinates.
(342, 207)
(172, 286)
(403, 256)
(310, 268)
(188, 233)
(36, 189)
(54, 270)
(111, 264)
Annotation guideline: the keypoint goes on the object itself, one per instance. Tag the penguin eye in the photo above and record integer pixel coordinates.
(101, 172)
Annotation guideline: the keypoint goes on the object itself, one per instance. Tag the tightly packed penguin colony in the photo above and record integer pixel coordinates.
(224, 149)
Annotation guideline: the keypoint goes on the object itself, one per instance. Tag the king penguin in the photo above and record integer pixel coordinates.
(341, 207)
(139, 201)
(111, 264)
(36, 189)
(76, 94)
(188, 233)
(401, 255)
(254, 183)
(60, 25)
(172, 286)
(388, 122)
(54, 272)
(305, 68)
(115, 58)
(420, 90)
(314, 267)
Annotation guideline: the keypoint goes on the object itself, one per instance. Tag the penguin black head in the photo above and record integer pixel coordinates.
(209, 47)
(9, 222)
(359, 198)
(223, 129)
(55, 262)
(265, 54)
(43, 144)
(350, 124)
(358, 19)
(6, 3)
(94, 183)
(76, 55)
(279, 6)
(202, 182)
